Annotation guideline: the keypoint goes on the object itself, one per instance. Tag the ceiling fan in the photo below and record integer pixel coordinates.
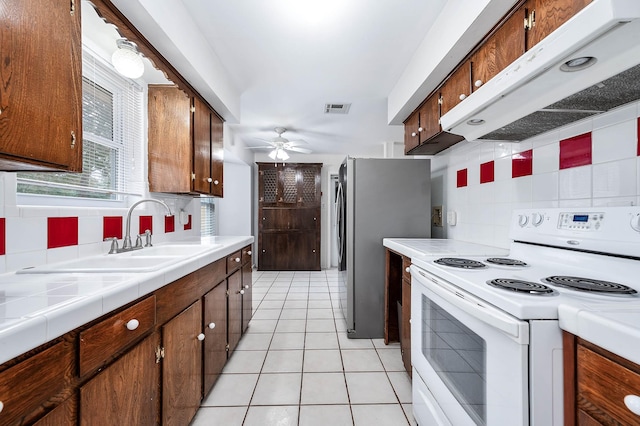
(280, 145)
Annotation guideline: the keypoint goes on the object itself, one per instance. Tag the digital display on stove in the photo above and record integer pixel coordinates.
(581, 218)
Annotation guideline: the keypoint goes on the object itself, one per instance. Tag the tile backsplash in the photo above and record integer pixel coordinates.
(35, 235)
(594, 162)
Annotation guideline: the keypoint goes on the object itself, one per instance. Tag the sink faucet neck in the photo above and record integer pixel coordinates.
(126, 245)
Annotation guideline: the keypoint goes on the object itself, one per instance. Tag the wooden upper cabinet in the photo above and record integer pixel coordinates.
(411, 136)
(40, 86)
(289, 185)
(429, 118)
(456, 88)
(545, 16)
(169, 140)
(503, 47)
(185, 143)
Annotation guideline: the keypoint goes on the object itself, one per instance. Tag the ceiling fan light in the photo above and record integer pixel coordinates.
(283, 155)
(273, 154)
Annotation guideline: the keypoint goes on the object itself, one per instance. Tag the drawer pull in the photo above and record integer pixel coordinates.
(212, 325)
(241, 292)
(633, 403)
(249, 252)
(237, 259)
(407, 269)
(133, 324)
(246, 286)
(1, 406)
(201, 337)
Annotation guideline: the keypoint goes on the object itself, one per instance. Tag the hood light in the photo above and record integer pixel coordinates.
(475, 122)
(578, 64)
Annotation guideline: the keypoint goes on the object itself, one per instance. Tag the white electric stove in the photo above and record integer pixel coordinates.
(486, 344)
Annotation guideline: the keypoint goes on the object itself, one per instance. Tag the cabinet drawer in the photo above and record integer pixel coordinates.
(26, 387)
(602, 386)
(101, 342)
(246, 255)
(234, 260)
(406, 263)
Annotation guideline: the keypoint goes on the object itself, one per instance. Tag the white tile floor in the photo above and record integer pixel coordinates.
(296, 366)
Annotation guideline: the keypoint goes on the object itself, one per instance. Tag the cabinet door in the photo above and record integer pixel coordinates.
(182, 369)
(247, 297)
(169, 140)
(429, 118)
(41, 90)
(268, 185)
(456, 88)
(288, 186)
(405, 333)
(548, 15)
(126, 392)
(201, 117)
(309, 186)
(304, 251)
(411, 137)
(502, 48)
(64, 414)
(215, 330)
(217, 156)
(234, 283)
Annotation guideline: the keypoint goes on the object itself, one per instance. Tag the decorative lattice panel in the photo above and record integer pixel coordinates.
(308, 185)
(270, 185)
(289, 187)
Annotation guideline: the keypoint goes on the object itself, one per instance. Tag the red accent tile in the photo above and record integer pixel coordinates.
(487, 172)
(461, 178)
(3, 234)
(169, 224)
(522, 164)
(639, 136)
(112, 227)
(62, 232)
(575, 151)
(187, 225)
(146, 222)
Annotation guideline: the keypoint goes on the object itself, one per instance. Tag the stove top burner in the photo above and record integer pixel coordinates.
(521, 286)
(456, 262)
(505, 262)
(590, 285)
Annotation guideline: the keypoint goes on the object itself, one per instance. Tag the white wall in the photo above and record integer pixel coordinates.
(234, 209)
(484, 210)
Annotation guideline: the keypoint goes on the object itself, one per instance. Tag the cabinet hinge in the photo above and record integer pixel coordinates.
(193, 176)
(72, 10)
(193, 109)
(529, 20)
(159, 354)
(440, 100)
(227, 347)
(73, 139)
(227, 292)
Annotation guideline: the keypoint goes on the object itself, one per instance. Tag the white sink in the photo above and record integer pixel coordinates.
(172, 250)
(112, 263)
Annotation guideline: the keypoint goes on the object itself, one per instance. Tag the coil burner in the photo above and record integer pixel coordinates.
(589, 285)
(503, 261)
(519, 286)
(456, 262)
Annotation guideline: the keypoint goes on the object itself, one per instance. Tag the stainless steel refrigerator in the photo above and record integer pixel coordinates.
(376, 199)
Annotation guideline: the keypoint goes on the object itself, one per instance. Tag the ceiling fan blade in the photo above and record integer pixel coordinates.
(298, 149)
(297, 142)
(259, 147)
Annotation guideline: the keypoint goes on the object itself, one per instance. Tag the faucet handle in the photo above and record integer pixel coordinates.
(147, 234)
(114, 244)
(138, 241)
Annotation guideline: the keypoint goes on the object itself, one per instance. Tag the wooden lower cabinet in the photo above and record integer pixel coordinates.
(405, 325)
(182, 366)
(64, 414)
(215, 331)
(126, 392)
(289, 251)
(247, 297)
(234, 283)
(397, 304)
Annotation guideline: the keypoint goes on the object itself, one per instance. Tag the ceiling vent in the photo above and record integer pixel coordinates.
(336, 108)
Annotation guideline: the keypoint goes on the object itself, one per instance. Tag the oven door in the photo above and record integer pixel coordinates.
(471, 355)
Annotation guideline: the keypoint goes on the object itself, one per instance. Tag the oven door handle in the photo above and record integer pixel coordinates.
(516, 329)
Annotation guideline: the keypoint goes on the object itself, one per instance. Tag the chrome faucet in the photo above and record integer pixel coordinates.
(126, 244)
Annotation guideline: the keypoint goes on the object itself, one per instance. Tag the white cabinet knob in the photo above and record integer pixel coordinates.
(133, 324)
(420, 129)
(215, 182)
(201, 337)
(249, 252)
(237, 259)
(413, 134)
(246, 286)
(478, 83)
(633, 403)
(209, 180)
(1, 406)
(462, 97)
(241, 291)
(212, 325)
(407, 269)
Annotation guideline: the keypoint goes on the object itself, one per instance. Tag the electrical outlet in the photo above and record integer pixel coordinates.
(436, 216)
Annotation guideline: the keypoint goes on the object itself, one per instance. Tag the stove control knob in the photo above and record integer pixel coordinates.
(523, 219)
(635, 222)
(537, 219)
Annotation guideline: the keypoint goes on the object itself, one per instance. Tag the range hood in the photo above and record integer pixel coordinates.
(534, 95)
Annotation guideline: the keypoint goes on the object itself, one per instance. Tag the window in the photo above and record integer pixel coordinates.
(207, 216)
(112, 128)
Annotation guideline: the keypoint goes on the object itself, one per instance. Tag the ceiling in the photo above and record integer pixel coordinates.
(288, 58)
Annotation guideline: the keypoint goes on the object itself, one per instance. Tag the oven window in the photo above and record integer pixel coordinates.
(458, 355)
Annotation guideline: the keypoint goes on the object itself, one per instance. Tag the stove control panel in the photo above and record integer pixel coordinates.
(580, 221)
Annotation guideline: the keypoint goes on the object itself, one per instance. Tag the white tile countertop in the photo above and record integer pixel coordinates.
(608, 326)
(39, 307)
